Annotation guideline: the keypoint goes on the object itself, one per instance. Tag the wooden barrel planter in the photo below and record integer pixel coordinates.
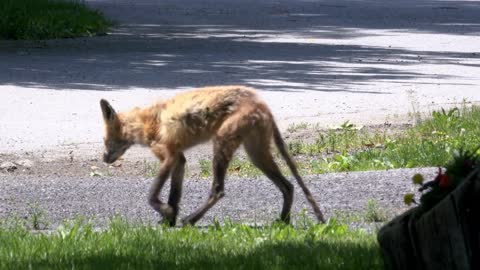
(446, 236)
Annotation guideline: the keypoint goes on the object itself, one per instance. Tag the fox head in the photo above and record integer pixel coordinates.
(115, 140)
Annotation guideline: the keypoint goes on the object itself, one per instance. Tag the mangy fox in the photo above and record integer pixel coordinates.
(227, 115)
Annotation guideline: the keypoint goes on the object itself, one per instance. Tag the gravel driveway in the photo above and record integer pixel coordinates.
(246, 200)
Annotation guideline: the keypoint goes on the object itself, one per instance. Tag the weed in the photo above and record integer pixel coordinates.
(295, 147)
(374, 213)
(347, 126)
(411, 94)
(303, 221)
(332, 141)
(205, 167)
(296, 127)
(347, 217)
(446, 119)
(36, 217)
(243, 168)
(150, 169)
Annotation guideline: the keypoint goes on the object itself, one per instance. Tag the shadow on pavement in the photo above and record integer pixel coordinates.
(276, 46)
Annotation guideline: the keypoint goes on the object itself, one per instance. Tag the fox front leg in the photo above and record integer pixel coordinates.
(164, 209)
(154, 198)
(176, 188)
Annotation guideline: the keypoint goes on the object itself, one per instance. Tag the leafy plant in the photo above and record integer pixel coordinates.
(343, 162)
(445, 118)
(464, 162)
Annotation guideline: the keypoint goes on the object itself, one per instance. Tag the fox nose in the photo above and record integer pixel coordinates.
(107, 158)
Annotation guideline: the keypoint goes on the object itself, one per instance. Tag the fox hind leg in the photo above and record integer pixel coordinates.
(257, 146)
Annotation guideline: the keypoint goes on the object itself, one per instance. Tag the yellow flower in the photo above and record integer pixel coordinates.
(417, 179)
(408, 198)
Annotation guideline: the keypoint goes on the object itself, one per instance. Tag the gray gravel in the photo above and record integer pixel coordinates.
(246, 200)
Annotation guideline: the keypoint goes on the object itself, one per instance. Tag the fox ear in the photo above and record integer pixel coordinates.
(109, 113)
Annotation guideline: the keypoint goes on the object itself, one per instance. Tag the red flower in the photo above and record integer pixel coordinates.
(444, 181)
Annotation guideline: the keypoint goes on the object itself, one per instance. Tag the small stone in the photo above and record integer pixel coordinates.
(8, 166)
(25, 163)
(116, 164)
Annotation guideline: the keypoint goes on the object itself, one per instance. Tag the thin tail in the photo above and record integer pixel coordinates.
(293, 168)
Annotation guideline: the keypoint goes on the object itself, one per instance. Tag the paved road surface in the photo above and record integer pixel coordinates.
(314, 61)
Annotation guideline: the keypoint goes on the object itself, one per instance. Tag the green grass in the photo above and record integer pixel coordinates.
(48, 19)
(431, 143)
(231, 246)
(346, 138)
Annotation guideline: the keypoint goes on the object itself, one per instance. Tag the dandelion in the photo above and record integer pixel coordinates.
(417, 179)
(408, 199)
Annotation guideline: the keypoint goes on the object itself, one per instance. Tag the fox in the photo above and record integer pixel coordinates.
(229, 116)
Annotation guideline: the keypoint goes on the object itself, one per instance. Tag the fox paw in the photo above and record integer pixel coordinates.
(188, 221)
(167, 221)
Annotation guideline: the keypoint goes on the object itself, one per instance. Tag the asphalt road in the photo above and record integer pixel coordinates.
(322, 62)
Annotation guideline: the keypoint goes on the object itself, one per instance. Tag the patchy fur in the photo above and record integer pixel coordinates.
(229, 115)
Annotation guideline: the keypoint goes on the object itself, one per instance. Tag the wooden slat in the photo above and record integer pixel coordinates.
(395, 243)
(440, 238)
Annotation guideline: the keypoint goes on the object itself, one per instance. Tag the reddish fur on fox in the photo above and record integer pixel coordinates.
(227, 115)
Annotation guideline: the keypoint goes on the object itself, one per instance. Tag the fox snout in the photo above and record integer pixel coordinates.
(109, 158)
(111, 155)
